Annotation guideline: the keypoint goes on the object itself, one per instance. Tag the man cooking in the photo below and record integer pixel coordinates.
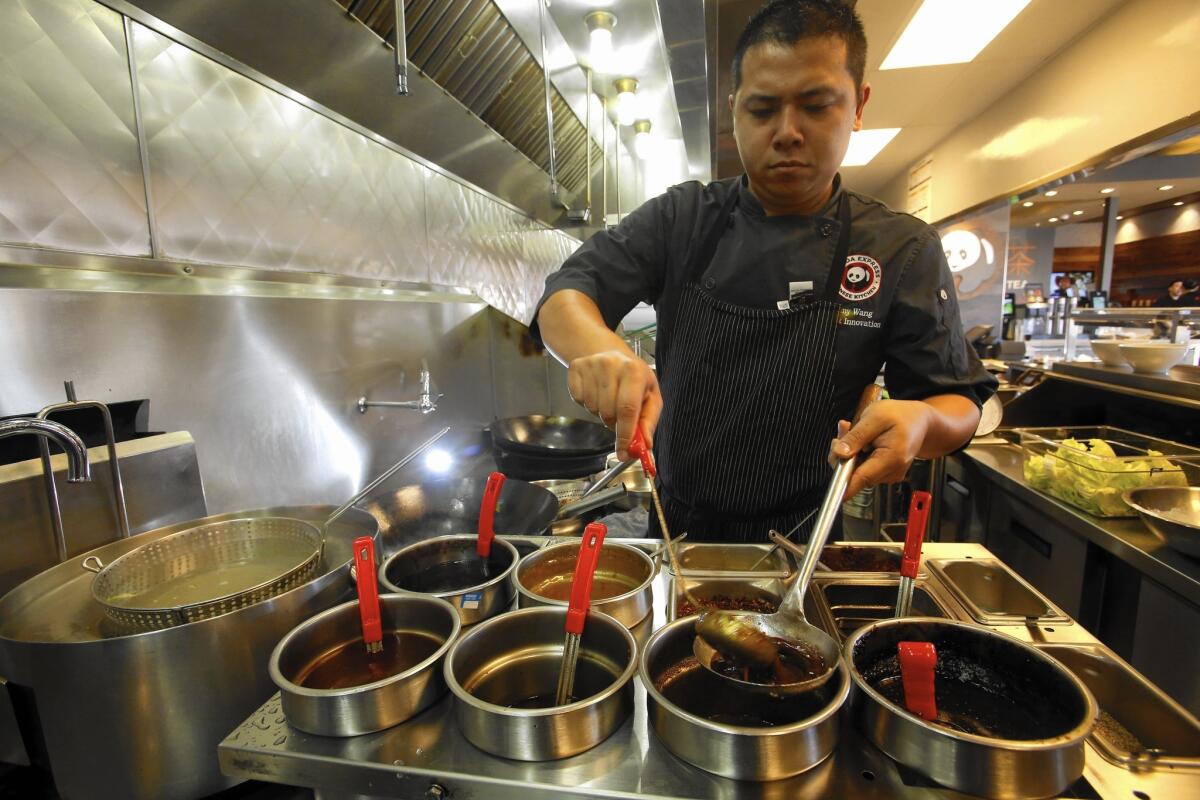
(780, 295)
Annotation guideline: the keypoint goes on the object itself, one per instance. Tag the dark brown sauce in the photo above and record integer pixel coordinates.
(796, 663)
(759, 605)
(350, 664)
(860, 559)
(602, 589)
(691, 687)
(452, 576)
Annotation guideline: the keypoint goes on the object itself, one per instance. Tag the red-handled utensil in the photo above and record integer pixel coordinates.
(487, 514)
(368, 593)
(917, 663)
(910, 562)
(577, 609)
(638, 450)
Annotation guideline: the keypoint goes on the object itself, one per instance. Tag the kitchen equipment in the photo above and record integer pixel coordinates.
(580, 502)
(531, 467)
(577, 610)
(758, 639)
(540, 435)
(503, 674)
(1109, 352)
(1011, 720)
(910, 562)
(634, 479)
(741, 593)
(990, 416)
(101, 692)
(740, 735)
(205, 571)
(994, 595)
(786, 537)
(1090, 467)
(1171, 513)
(368, 594)
(1152, 358)
(329, 686)
(624, 580)
(918, 660)
(852, 604)
(714, 560)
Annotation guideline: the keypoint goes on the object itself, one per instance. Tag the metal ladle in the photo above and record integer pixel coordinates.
(754, 639)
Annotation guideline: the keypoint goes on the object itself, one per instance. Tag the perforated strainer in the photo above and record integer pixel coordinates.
(206, 571)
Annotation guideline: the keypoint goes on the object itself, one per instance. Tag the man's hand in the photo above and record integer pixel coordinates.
(899, 431)
(621, 389)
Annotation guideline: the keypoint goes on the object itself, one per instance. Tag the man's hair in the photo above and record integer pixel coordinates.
(789, 21)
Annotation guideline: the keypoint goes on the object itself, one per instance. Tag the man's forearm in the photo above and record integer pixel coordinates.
(952, 421)
(572, 327)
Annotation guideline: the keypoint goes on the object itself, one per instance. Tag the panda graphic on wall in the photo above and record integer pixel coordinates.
(972, 260)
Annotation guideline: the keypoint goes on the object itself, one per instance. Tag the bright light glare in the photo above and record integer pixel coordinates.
(626, 108)
(1166, 188)
(866, 144)
(951, 31)
(643, 145)
(1107, 190)
(600, 48)
(1028, 204)
(1051, 193)
(438, 460)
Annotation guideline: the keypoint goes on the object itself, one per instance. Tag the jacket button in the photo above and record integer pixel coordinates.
(709, 283)
(826, 229)
(943, 294)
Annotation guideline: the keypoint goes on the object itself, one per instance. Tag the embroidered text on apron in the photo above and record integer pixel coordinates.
(748, 405)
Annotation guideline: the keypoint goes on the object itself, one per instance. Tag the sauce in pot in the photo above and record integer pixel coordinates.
(349, 664)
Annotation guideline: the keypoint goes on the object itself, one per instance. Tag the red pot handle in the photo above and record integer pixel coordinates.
(368, 589)
(914, 534)
(917, 663)
(638, 449)
(487, 514)
(585, 569)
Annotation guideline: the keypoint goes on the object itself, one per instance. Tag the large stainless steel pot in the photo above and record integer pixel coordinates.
(140, 716)
(515, 657)
(476, 598)
(794, 734)
(372, 706)
(1045, 763)
(544, 577)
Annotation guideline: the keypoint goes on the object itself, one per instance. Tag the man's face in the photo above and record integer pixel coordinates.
(792, 119)
(1176, 289)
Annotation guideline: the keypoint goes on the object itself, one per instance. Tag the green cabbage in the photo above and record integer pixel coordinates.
(1089, 475)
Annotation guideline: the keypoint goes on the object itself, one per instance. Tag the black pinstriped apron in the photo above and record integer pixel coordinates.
(748, 405)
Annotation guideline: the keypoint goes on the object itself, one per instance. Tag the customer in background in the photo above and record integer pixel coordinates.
(1178, 296)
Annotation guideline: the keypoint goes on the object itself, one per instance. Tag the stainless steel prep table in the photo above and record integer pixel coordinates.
(429, 751)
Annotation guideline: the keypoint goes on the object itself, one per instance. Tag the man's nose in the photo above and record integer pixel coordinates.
(789, 133)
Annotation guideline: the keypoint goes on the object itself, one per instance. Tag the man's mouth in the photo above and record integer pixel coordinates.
(788, 165)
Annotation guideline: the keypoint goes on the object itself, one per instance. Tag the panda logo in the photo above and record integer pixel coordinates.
(861, 278)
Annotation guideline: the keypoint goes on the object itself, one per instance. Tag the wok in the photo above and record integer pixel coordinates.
(530, 467)
(552, 436)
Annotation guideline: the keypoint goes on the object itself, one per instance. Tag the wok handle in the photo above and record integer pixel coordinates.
(487, 514)
(914, 534)
(585, 570)
(368, 590)
(638, 450)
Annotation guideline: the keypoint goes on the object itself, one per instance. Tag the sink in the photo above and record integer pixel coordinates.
(1139, 726)
(853, 605)
(993, 594)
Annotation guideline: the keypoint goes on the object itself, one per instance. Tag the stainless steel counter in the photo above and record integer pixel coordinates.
(407, 760)
(1127, 539)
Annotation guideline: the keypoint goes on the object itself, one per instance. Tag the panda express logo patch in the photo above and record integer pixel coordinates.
(861, 278)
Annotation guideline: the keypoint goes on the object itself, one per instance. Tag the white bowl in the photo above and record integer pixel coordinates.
(1152, 358)
(1109, 352)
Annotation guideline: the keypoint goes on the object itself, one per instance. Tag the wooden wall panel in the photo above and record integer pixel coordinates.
(1143, 268)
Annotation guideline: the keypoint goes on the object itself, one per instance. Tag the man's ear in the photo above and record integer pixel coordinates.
(864, 94)
(731, 103)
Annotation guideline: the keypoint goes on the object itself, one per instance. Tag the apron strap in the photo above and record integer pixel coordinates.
(703, 255)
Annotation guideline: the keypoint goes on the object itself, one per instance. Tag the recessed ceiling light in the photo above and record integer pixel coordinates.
(1051, 193)
(950, 32)
(1077, 213)
(1107, 190)
(866, 144)
(1028, 204)
(1166, 188)
(1037, 224)
(1177, 203)
(1052, 219)
(1119, 216)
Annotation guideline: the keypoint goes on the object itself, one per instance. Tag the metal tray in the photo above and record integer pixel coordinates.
(993, 594)
(725, 560)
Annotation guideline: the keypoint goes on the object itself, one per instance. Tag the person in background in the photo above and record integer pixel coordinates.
(1064, 286)
(779, 296)
(1177, 296)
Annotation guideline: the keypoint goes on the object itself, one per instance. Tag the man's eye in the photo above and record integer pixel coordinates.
(761, 113)
(818, 109)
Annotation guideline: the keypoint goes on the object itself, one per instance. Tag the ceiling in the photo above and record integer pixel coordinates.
(927, 103)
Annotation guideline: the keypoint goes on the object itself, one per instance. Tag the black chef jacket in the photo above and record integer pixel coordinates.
(905, 319)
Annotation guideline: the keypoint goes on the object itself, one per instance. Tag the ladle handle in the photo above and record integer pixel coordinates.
(487, 514)
(829, 511)
(585, 570)
(368, 589)
(638, 450)
(918, 660)
(914, 534)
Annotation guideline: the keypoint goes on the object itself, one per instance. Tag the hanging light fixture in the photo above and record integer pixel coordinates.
(626, 100)
(643, 144)
(600, 26)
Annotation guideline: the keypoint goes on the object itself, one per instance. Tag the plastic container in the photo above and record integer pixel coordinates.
(1091, 467)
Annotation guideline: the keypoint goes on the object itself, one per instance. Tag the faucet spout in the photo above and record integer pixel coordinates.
(78, 467)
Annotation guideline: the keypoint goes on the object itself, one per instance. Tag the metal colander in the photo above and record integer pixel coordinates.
(206, 571)
(566, 491)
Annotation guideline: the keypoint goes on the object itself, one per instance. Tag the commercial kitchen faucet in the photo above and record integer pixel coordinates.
(78, 468)
(426, 403)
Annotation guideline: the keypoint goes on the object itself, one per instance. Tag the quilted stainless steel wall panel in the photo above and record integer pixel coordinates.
(70, 174)
(243, 175)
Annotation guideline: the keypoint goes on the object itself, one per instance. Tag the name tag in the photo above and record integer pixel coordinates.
(471, 601)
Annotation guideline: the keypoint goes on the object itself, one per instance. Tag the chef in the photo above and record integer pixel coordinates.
(780, 295)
